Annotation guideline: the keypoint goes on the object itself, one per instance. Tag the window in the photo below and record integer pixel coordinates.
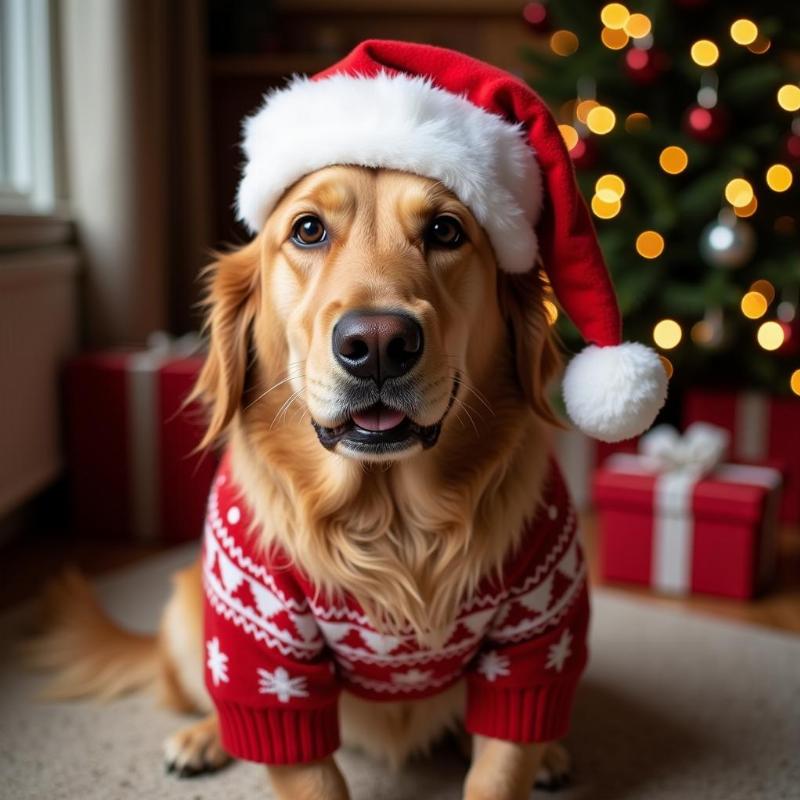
(27, 156)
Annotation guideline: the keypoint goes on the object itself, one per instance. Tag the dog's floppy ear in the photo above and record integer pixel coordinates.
(231, 302)
(537, 357)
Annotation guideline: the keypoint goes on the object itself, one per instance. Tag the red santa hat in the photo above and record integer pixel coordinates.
(490, 139)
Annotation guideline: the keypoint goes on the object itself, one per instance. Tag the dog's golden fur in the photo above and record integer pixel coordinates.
(410, 538)
(408, 542)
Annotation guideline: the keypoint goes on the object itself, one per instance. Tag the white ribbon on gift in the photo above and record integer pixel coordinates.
(143, 425)
(679, 463)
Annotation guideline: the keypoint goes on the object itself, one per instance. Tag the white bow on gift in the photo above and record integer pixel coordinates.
(698, 451)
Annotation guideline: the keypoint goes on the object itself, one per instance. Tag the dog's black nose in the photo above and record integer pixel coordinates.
(377, 344)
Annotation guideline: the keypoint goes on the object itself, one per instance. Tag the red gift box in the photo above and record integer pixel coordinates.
(680, 534)
(133, 469)
(761, 427)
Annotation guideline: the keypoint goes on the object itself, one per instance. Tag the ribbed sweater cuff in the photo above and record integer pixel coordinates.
(277, 735)
(540, 714)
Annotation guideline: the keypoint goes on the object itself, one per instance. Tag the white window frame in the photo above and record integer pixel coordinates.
(27, 137)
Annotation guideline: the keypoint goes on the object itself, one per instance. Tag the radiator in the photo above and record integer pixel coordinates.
(38, 330)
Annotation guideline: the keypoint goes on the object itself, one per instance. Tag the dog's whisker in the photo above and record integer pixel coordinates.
(469, 416)
(292, 397)
(458, 379)
(272, 388)
(474, 410)
(291, 402)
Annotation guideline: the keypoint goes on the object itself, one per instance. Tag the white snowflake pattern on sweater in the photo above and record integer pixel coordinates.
(279, 651)
(217, 662)
(280, 683)
(413, 678)
(493, 666)
(559, 652)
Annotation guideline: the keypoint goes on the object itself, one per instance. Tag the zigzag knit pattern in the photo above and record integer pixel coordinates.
(278, 653)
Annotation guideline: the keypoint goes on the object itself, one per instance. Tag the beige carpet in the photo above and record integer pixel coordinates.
(673, 708)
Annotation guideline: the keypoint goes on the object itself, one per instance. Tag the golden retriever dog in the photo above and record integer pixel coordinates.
(408, 520)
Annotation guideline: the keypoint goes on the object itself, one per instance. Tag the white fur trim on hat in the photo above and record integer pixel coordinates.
(396, 122)
(614, 393)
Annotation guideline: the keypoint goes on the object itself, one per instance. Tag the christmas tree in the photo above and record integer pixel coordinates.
(682, 118)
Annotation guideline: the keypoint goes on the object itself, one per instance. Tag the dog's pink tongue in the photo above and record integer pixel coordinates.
(378, 418)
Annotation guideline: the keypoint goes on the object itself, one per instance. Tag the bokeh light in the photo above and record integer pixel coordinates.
(636, 122)
(609, 188)
(770, 335)
(748, 210)
(764, 288)
(673, 159)
(564, 43)
(760, 45)
(551, 310)
(601, 120)
(668, 368)
(786, 311)
(535, 13)
(704, 53)
(649, 244)
(744, 31)
(667, 334)
(794, 382)
(583, 108)
(569, 135)
(779, 177)
(707, 96)
(739, 192)
(702, 332)
(754, 305)
(789, 97)
(614, 16)
(603, 210)
(613, 38)
(637, 26)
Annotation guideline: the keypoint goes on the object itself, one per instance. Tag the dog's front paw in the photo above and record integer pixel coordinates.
(195, 750)
(554, 771)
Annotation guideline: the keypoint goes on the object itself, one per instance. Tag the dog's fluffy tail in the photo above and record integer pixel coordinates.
(89, 654)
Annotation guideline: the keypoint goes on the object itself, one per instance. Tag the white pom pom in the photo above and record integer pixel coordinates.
(615, 393)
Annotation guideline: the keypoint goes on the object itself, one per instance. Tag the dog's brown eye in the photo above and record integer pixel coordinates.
(309, 231)
(445, 231)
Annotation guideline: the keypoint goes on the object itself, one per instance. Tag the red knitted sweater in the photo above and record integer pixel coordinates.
(277, 653)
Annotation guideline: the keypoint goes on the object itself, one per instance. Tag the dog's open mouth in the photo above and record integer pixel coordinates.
(379, 429)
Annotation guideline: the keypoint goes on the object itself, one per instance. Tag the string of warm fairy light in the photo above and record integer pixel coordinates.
(673, 160)
(620, 28)
(794, 382)
(771, 334)
(649, 244)
(667, 334)
(704, 53)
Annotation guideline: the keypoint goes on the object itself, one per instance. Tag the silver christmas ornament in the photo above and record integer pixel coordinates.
(728, 242)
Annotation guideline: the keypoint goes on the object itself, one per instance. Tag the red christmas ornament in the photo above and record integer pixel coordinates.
(537, 17)
(584, 154)
(645, 66)
(791, 147)
(705, 124)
